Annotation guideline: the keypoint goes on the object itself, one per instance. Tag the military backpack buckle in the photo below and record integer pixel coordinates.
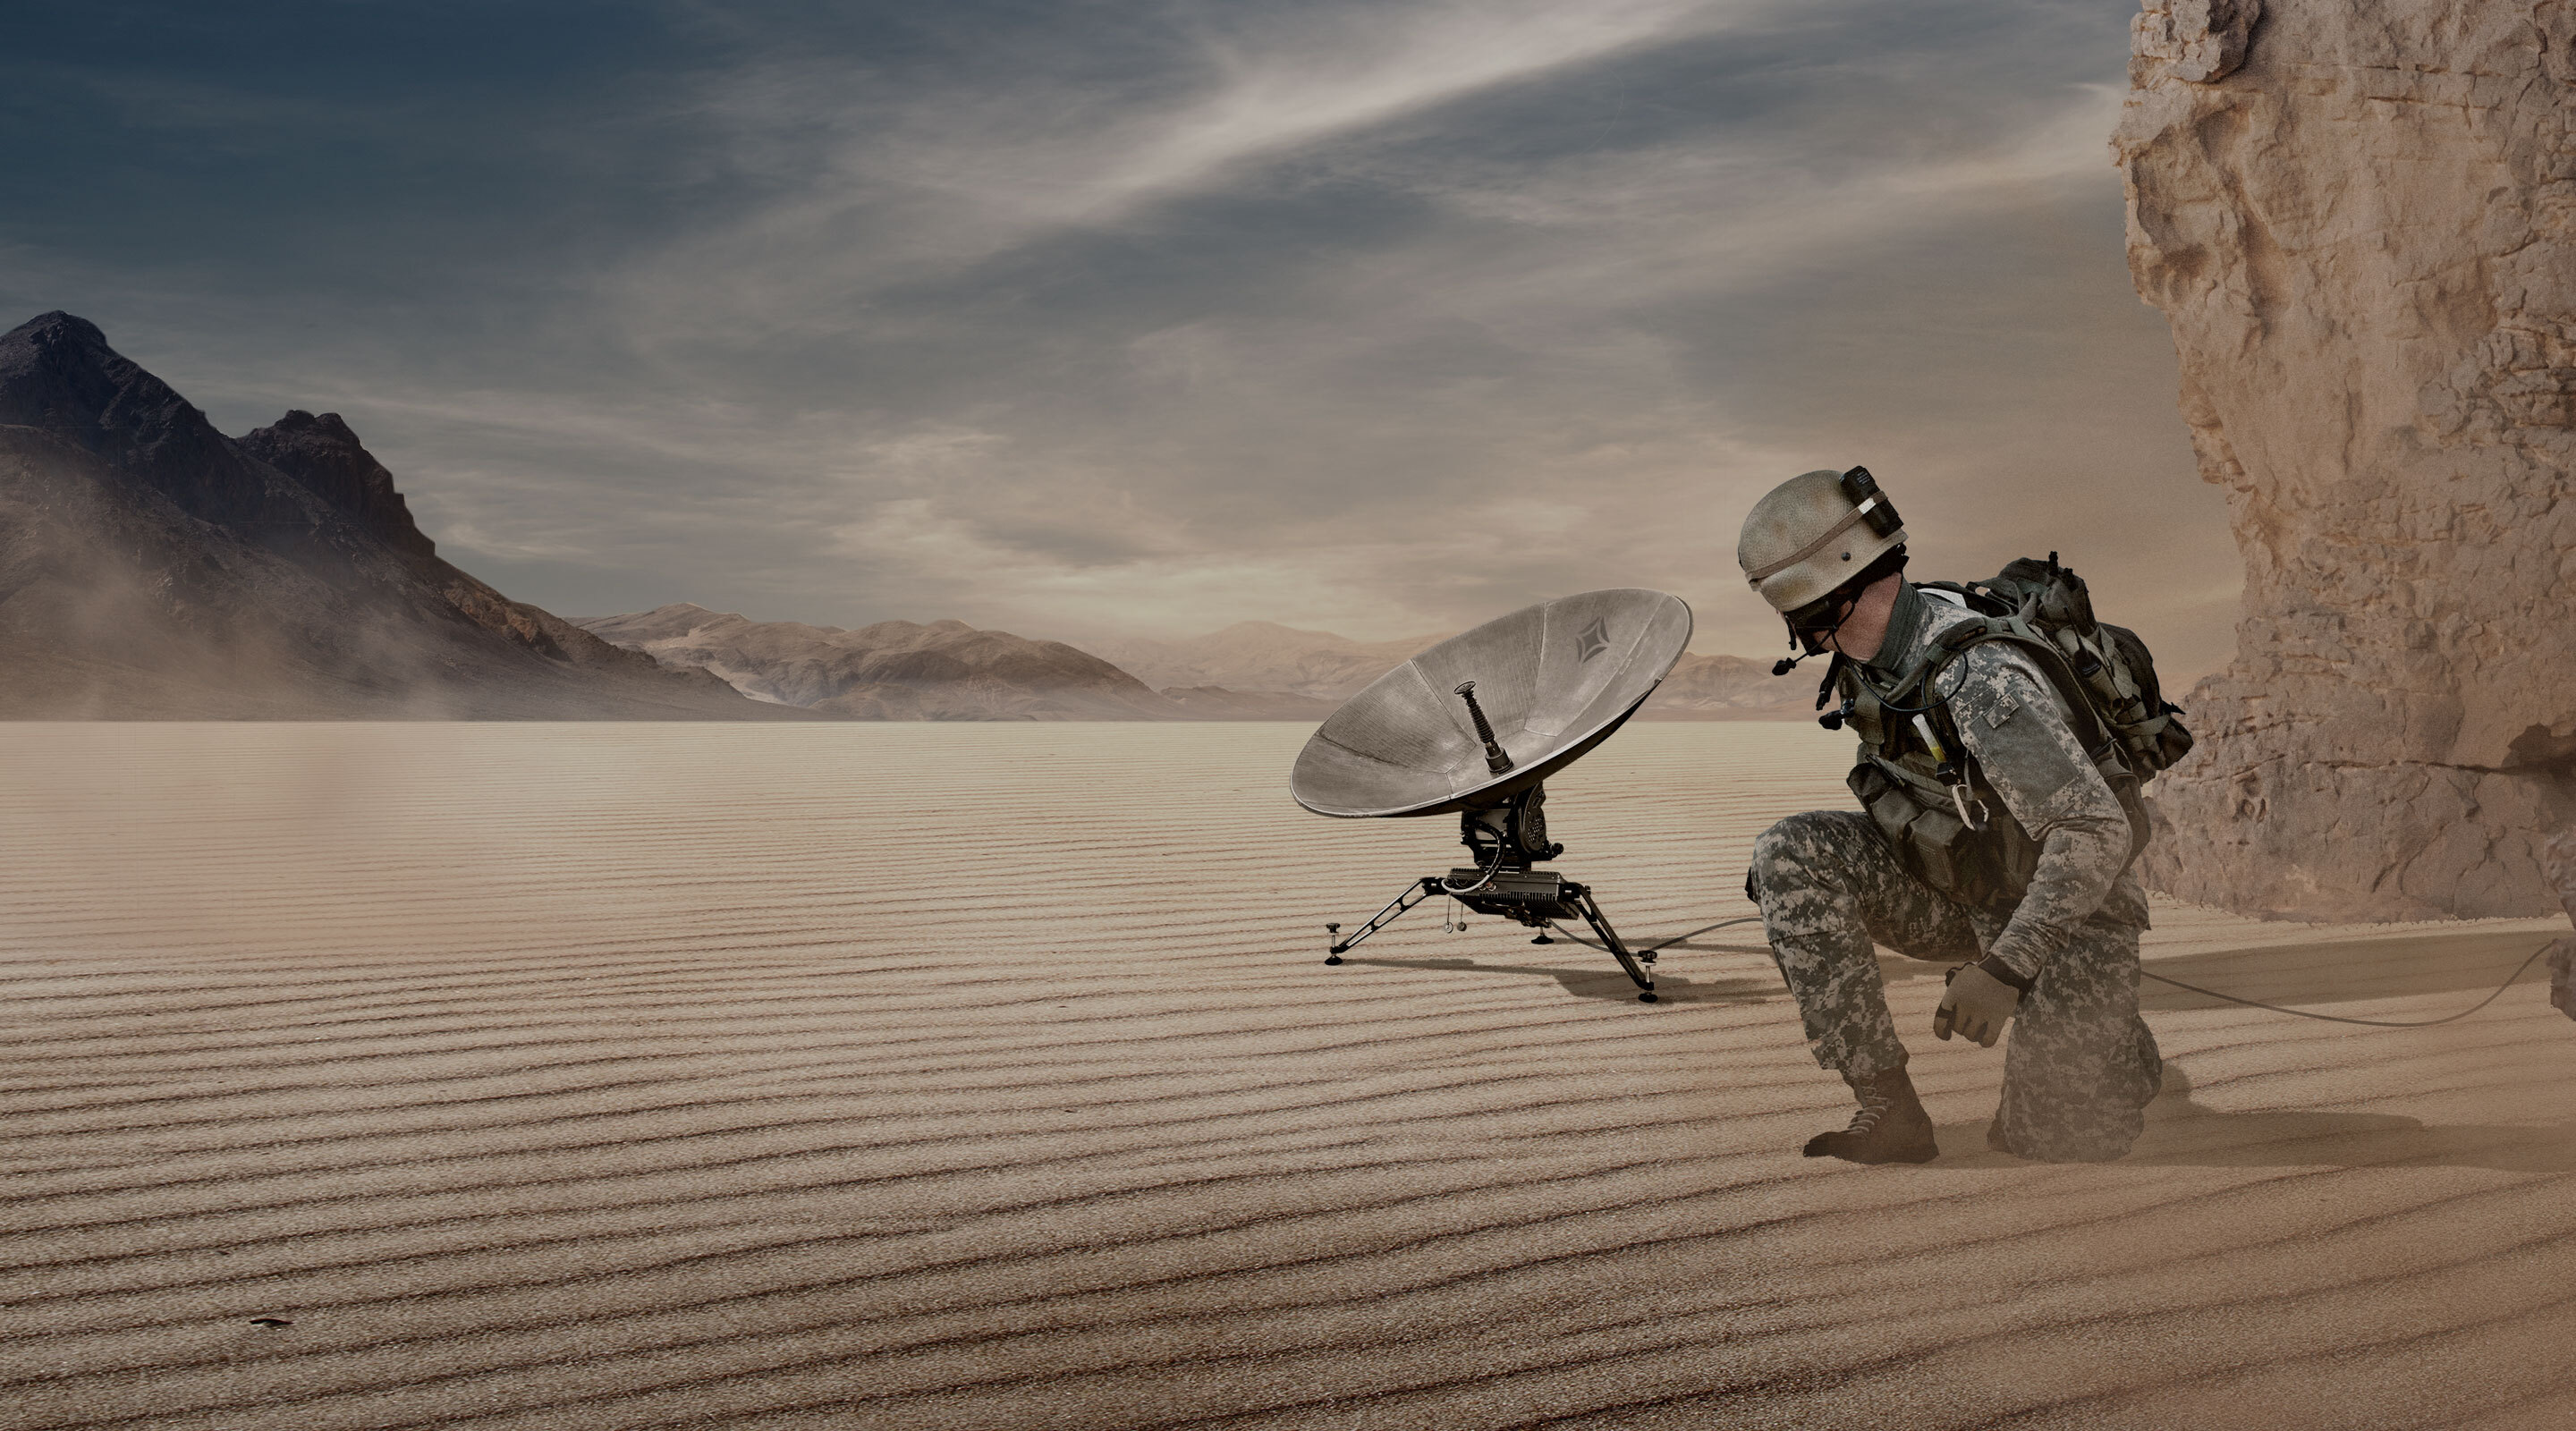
(1960, 797)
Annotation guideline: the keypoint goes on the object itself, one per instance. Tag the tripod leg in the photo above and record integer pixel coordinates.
(1414, 894)
(1610, 940)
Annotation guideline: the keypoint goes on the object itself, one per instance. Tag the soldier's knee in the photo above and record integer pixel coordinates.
(1784, 856)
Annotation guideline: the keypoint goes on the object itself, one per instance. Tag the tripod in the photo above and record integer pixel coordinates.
(1507, 839)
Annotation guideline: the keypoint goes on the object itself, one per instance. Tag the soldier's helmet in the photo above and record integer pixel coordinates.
(1814, 532)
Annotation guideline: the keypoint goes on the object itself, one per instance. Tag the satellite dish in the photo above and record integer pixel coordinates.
(1553, 680)
(1475, 725)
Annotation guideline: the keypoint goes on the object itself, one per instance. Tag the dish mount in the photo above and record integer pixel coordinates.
(1475, 725)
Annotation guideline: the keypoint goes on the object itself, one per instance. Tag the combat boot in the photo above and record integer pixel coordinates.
(1891, 1126)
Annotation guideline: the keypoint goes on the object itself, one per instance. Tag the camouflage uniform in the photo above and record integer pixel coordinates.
(2080, 1065)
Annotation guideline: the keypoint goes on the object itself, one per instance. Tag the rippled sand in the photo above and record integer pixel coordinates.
(373, 1076)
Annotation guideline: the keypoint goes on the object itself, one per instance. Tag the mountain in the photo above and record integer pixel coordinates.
(1732, 688)
(893, 670)
(151, 567)
(1218, 703)
(1261, 656)
(1252, 662)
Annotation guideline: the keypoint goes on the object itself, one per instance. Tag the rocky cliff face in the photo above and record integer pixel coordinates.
(2357, 216)
(326, 459)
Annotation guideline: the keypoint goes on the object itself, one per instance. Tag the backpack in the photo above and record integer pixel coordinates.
(1913, 780)
(2113, 671)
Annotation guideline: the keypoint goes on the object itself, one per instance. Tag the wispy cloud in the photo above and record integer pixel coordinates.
(878, 190)
(1372, 314)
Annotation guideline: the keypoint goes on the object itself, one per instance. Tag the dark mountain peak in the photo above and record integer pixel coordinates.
(55, 328)
(325, 457)
(151, 566)
(57, 373)
(329, 427)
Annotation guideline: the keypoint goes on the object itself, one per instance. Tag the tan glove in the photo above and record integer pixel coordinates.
(1977, 1005)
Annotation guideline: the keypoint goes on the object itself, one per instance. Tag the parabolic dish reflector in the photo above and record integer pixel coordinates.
(1554, 679)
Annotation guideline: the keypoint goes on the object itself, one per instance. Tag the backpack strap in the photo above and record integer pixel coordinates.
(1970, 599)
(2089, 729)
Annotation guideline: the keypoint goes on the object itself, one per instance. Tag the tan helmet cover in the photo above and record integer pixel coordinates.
(1804, 538)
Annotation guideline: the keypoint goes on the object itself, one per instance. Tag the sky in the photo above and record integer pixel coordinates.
(1139, 316)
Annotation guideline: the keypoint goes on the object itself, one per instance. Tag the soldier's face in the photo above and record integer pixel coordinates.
(1814, 624)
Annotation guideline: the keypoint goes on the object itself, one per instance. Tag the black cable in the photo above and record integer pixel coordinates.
(2366, 1023)
(1553, 926)
(1500, 851)
(2161, 979)
(1931, 687)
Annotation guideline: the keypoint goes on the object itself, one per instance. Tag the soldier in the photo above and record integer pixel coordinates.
(2030, 880)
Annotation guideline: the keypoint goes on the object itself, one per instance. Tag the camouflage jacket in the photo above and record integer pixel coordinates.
(2016, 728)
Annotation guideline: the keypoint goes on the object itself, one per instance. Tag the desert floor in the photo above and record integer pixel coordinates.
(509, 1076)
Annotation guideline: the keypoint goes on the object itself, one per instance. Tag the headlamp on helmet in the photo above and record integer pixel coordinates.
(1813, 542)
(1871, 503)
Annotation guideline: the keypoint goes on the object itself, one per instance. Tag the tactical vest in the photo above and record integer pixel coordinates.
(1916, 777)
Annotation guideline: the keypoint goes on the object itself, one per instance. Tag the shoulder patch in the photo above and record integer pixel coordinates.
(1998, 680)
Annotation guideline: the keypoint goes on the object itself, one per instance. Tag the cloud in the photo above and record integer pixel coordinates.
(1220, 86)
(1378, 315)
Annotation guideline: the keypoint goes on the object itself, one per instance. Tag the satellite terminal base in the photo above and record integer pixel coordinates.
(1507, 838)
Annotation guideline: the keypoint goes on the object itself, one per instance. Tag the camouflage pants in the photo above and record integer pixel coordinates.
(2080, 1064)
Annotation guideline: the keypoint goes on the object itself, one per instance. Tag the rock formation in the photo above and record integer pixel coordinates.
(893, 670)
(326, 458)
(2356, 217)
(151, 567)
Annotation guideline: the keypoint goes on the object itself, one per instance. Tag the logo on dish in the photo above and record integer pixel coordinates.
(1592, 640)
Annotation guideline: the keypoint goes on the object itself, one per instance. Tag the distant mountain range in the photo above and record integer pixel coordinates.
(154, 568)
(948, 670)
(1732, 688)
(893, 670)
(1256, 660)
(151, 567)
(1261, 656)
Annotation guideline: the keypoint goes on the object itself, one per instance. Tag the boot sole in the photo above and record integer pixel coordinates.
(1922, 1153)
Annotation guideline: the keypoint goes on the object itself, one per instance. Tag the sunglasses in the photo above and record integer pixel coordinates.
(1813, 624)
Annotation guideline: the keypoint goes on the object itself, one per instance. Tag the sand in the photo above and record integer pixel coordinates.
(374, 1076)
